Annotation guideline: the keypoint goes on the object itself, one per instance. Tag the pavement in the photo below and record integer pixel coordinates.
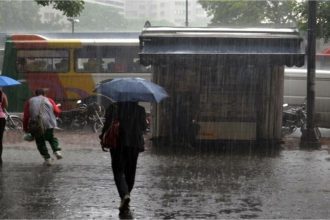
(292, 184)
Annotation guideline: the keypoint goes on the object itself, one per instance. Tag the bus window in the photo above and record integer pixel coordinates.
(120, 65)
(61, 64)
(112, 60)
(91, 65)
(21, 65)
(87, 60)
(108, 59)
(108, 65)
(37, 64)
(42, 61)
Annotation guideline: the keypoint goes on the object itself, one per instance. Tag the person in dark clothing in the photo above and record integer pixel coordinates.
(3, 106)
(132, 119)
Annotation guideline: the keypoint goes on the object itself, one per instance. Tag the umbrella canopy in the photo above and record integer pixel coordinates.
(7, 81)
(132, 90)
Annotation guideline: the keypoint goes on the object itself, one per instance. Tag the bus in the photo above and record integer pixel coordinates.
(69, 66)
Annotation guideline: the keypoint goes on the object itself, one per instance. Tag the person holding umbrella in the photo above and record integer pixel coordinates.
(132, 119)
(4, 81)
(132, 124)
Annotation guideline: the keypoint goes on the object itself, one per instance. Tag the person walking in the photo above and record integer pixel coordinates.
(132, 119)
(48, 111)
(3, 105)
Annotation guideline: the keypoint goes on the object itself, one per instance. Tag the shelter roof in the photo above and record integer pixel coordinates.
(280, 46)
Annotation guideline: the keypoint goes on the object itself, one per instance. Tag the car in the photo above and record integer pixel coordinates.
(295, 92)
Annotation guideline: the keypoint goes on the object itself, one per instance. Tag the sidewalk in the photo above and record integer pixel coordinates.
(291, 142)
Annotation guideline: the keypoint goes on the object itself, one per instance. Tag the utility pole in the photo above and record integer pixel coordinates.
(73, 20)
(309, 138)
(187, 24)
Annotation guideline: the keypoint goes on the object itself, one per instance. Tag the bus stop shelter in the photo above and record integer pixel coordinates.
(225, 84)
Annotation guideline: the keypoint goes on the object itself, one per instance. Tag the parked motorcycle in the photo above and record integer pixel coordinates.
(293, 117)
(81, 117)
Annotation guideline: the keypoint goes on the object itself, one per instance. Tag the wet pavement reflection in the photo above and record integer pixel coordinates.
(169, 184)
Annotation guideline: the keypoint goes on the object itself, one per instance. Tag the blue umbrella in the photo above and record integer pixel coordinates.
(132, 90)
(7, 81)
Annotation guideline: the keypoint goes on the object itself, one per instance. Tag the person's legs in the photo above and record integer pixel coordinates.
(53, 141)
(2, 129)
(118, 167)
(130, 168)
(41, 145)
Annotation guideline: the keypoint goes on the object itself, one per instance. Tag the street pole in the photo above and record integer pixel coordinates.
(72, 25)
(187, 13)
(73, 20)
(309, 137)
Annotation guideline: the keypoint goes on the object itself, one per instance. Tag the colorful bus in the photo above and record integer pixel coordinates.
(69, 66)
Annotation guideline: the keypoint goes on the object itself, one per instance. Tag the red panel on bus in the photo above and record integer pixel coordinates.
(50, 82)
(27, 37)
(29, 41)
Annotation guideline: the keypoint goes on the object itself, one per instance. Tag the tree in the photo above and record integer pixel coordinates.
(241, 12)
(70, 8)
(322, 15)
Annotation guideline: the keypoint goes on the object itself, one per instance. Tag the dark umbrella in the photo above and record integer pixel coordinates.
(7, 81)
(132, 90)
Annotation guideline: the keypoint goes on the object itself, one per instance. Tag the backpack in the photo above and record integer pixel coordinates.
(36, 127)
(110, 138)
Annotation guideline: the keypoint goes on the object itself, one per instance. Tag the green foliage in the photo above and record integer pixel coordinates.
(70, 8)
(322, 15)
(281, 12)
(276, 12)
(241, 12)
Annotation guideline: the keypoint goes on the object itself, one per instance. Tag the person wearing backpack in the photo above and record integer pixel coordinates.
(124, 156)
(46, 110)
(3, 105)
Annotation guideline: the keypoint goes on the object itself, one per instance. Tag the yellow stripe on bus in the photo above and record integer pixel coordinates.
(68, 43)
(76, 84)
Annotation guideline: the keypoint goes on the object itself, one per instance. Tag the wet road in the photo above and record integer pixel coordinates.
(290, 184)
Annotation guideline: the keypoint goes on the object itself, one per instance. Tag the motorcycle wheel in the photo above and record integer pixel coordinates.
(97, 127)
(288, 130)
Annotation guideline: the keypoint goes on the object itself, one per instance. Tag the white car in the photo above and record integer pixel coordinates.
(295, 87)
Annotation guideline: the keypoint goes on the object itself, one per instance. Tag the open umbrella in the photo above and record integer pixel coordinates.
(7, 81)
(132, 90)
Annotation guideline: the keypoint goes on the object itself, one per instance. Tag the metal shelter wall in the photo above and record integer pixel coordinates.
(223, 85)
